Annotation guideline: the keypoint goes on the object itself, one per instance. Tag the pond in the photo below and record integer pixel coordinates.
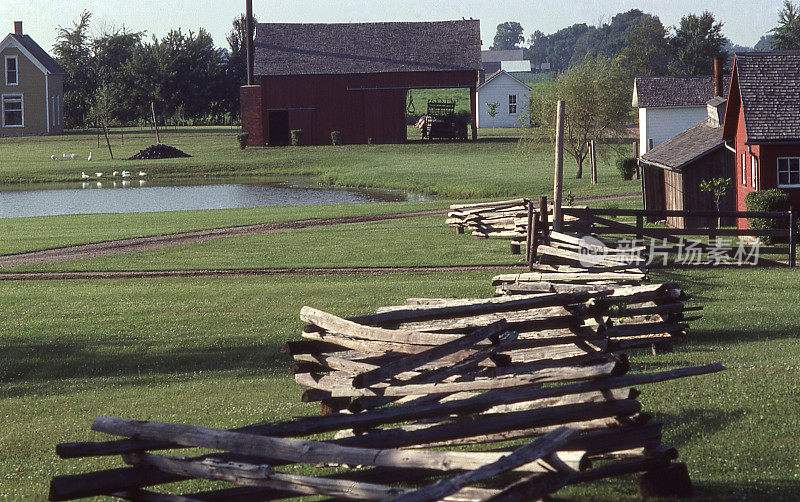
(140, 195)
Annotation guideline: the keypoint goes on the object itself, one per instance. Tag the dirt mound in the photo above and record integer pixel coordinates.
(159, 152)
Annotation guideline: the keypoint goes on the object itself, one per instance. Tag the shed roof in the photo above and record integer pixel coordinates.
(688, 146)
(662, 92)
(303, 49)
(497, 74)
(500, 56)
(769, 86)
(39, 54)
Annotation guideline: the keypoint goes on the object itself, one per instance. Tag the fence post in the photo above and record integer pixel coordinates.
(639, 226)
(534, 243)
(544, 230)
(792, 238)
(712, 229)
(529, 240)
(558, 177)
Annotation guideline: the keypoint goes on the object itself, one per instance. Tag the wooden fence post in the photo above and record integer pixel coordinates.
(593, 163)
(534, 243)
(636, 174)
(531, 230)
(639, 226)
(792, 238)
(558, 177)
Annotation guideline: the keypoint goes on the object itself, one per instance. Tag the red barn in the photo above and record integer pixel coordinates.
(353, 78)
(762, 123)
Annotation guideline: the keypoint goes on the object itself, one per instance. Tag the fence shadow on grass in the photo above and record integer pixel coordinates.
(44, 368)
(694, 424)
(774, 490)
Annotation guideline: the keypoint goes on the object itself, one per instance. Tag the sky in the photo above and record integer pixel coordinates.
(745, 21)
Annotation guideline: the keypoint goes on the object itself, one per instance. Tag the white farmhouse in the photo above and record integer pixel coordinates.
(511, 96)
(669, 105)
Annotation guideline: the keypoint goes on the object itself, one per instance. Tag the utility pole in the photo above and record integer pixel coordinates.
(558, 177)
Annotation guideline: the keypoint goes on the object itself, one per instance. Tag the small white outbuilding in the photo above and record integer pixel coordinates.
(511, 97)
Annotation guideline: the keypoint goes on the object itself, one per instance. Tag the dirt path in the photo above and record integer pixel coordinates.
(106, 248)
(56, 276)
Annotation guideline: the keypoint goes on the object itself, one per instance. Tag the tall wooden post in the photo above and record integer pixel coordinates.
(155, 122)
(531, 229)
(636, 174)
(249, 41)
(558, 177)
(593, 162)
(792, 238)
(473, 109)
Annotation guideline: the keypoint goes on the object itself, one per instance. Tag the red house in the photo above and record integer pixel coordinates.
(353, 78)
(762, 124)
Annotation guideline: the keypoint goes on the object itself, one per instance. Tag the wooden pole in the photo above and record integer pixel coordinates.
(108, 141)
(473, 109)
(249, 41)
(531, 231)
(544, 227)
(558, 177)
(792, 238)
(593, 160)
(636, 156)
(155, 122)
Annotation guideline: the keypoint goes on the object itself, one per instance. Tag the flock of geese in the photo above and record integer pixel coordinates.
(124, 174)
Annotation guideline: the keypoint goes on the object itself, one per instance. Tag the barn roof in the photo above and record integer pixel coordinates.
(662, 92)
(303, 49)
(39, 54)
(688, 146)
(500, 56)
(769, 86)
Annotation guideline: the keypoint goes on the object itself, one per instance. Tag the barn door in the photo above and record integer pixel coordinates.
(279, 128)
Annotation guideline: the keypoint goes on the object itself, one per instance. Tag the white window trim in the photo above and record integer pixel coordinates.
(5, 67)
(514, 104)
(3, 110)
(778, 172)
(754, 171)
(744, 169)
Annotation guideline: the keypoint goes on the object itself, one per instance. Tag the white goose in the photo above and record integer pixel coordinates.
(90, 157)
(84, 176)
(126, 174)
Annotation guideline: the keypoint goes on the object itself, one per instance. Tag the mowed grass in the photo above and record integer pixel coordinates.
(30, 234)
(424, 241)
(206, 351)
(494, 166)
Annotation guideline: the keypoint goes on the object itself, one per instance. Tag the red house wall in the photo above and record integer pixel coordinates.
(360, 106)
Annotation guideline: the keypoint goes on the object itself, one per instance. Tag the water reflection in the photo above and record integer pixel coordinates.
(138, 196)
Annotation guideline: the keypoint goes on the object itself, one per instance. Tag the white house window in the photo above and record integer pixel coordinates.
(12, 110)
(744, 169)
(754, 171)
(12, 71)
(789, 172)
(512, 104)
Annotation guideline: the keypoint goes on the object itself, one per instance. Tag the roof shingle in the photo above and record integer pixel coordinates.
(659, 92)
(769, 84)
(303, 49)
(39, 53)
(691, 144)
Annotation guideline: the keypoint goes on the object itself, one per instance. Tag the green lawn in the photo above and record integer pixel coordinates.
(494, 166)
(406, 242)
(206, 351)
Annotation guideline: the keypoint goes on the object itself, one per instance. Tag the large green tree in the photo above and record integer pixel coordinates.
(786, 36)
(73, 51)
(508, 36)
(597, 95)
(647, 52)
(697, 41)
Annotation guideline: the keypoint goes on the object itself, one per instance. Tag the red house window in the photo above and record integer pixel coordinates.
(789, 172)
(744, 169)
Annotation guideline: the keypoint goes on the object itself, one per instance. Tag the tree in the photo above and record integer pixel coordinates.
(717, 188)
(74, 53)
(492, 110)
(787, 33)
(113, 52)
(765, 43)
(236, 68)
(647, 53)
(697, 41)
(508, 36)
(597, 97)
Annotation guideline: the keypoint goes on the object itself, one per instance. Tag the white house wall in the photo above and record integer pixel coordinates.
(661, 124)
(497, 91)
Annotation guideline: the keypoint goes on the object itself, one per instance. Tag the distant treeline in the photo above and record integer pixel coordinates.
(117, 77)
(642, 38)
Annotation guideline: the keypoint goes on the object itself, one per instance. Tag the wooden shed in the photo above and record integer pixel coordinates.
(674, 170)
(353, 78)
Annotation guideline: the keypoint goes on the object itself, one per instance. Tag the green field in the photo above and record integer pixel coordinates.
(206, 351)
(494, 166)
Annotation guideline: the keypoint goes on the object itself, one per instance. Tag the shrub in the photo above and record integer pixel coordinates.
(336, 138)
(767, 200)
(242, 138)
(627, 167)
(297, 137)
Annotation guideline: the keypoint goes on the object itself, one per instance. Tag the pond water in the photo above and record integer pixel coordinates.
(140, 196)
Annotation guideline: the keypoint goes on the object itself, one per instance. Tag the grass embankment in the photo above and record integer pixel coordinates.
(494, 166)
(206, 351)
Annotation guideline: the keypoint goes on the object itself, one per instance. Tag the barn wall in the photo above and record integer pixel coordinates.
(665, 123)
(319, 104)
(498, 91)
(768, 168)
(718, 164)
(653, 181)
(673, 196)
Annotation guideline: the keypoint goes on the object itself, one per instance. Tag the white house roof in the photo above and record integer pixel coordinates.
(32, 51)
(497, 74)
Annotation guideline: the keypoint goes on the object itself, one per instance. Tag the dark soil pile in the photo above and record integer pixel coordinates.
(159, 152)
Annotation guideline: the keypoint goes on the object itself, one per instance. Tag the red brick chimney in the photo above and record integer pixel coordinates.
(18, 27)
